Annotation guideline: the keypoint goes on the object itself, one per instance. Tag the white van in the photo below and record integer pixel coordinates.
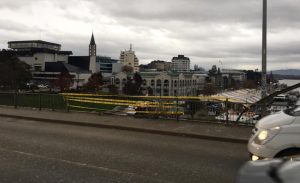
(276, 135)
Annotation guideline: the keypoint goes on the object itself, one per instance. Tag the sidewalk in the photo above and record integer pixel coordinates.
(217, 132)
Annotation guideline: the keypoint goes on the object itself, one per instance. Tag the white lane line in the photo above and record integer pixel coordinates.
(79, 164)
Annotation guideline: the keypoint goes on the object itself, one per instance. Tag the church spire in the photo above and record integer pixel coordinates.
(92, 54)
(92, 47)
(92, 40)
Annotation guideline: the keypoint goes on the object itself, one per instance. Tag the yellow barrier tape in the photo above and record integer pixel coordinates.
(101, 99)
(206, 98)
(122, 101)
(122, 104)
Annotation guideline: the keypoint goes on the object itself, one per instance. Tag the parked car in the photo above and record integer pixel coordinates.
(277, 135)
(131, 110)
(270, 171)
(42, 86)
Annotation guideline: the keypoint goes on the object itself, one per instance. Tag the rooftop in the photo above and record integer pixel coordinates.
(34, 41)
(180, 57)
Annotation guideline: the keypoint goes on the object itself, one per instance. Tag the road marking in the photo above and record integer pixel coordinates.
(79, 164)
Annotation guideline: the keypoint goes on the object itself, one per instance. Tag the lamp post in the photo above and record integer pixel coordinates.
(264, 52)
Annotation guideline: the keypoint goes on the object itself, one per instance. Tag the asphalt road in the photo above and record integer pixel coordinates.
(41, 152)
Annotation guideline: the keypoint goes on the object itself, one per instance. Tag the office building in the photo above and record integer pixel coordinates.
(130, 59)
(181, 64)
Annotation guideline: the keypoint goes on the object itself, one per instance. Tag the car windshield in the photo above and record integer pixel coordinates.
(293, 111)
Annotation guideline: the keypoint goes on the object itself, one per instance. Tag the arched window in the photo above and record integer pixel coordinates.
(152, 82)
(166, 83)
(145, 82)
(158, 83)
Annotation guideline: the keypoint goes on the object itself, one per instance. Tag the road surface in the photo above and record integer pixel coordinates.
(42, 152)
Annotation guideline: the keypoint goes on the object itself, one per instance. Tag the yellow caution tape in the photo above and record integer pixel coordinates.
(205, 98)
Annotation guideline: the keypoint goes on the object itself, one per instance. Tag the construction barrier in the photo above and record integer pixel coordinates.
(144, 105)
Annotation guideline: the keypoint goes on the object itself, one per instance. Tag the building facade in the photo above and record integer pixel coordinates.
(107, 65)
(160, 65)
(37, 53)
(130, 59)
(47, 61)
(164, 83)
(181, 64)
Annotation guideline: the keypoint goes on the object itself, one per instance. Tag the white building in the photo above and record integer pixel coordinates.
(181, 64)
(165, 83)
(129, 58)
(47, 61)
(36, 53)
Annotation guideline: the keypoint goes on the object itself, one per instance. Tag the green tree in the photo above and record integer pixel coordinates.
(138, 81)
(250, 84)
(133, 86)
(95, 82)
(127, 69)
(14, 74)
(64, 81)
(209, 89)
(113, 89)
(150, 91)
(129, 88)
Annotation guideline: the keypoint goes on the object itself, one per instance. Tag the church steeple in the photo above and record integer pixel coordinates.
(92, 40)
(92, 54)
(92, 47)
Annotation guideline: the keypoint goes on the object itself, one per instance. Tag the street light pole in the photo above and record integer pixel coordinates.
(264, 52)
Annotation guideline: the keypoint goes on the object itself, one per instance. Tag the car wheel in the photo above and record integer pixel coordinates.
(289, 154)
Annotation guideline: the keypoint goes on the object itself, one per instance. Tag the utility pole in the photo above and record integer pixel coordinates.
(264, 52)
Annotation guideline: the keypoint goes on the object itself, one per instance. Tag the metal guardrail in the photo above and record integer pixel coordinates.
(34, 100)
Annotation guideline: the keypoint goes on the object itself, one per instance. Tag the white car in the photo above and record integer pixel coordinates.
(130, 110)
(276, 135)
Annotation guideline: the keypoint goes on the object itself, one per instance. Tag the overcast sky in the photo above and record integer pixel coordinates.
(222, 32)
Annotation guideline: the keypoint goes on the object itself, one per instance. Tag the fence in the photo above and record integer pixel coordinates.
(34, 100)
(204, 109)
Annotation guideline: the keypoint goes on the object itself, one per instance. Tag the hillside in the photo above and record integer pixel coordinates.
(287, 72)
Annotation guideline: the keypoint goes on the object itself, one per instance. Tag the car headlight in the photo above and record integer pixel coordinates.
(263, 135)
(266, 135)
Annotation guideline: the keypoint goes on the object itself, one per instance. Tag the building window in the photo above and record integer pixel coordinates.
(124, 81)
(144, 82)
(37, 68)
(158, 83)
(166, 83)
(152, 83)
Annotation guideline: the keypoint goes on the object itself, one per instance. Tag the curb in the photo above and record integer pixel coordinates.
(134, 129)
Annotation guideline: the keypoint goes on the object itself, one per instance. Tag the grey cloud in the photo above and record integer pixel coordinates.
(205, 30)
(14, 4)
(8, 25)
(281, 13)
